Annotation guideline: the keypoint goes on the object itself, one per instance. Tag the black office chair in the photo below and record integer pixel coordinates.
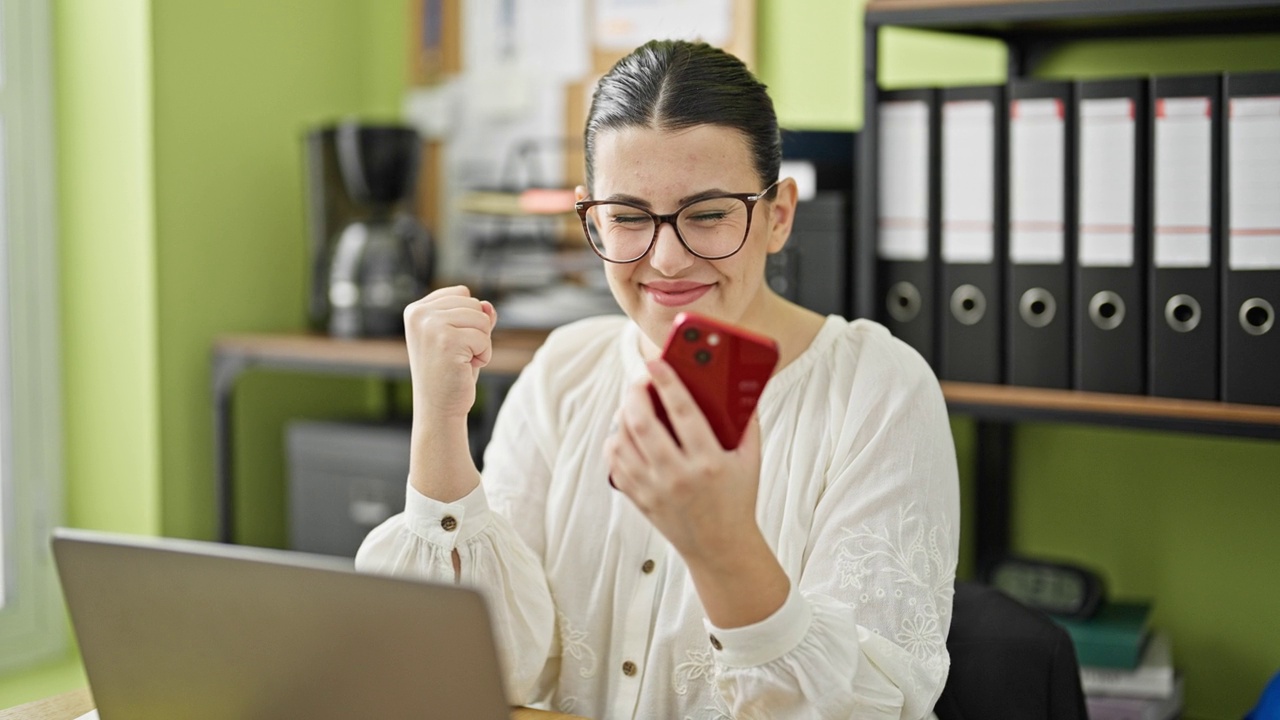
(1008, 662)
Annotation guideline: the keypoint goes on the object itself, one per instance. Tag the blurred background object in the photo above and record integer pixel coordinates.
(524, 242)
(370, 256)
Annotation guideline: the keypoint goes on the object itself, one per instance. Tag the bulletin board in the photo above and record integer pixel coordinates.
(618, 26)
(613, 28)
(435, 41)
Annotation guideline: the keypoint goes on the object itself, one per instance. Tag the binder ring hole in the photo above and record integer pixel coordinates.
(1106, 310)
(1182, 312)
(1257, 316)
(903, 301)
(968, 304)
(1037, 307)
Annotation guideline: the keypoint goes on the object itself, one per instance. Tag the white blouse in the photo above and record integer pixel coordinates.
(595, 613)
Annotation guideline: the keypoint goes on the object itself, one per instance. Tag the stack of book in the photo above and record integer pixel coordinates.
(1150, 691)
(1126, 667)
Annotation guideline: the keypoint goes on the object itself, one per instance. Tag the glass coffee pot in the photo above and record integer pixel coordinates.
(381, 259)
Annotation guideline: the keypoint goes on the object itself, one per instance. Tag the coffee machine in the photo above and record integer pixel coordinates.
(369, 254)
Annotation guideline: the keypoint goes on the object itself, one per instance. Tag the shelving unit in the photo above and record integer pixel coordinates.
(1030, 30)
(1007, 403)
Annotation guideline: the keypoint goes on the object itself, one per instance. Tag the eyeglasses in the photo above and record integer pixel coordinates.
(712, 228)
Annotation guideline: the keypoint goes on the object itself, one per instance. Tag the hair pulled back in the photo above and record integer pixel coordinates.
(676, 84)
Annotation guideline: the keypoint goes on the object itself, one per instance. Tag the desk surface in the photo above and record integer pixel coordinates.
(66, 706)
(512, 350)
(70, 705)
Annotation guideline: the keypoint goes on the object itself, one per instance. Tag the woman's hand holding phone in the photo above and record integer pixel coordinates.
(688, 447)
(699, 495)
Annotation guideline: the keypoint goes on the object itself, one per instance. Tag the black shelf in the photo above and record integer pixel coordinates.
(1030, 30)
(1081, 18)
(1009, 404)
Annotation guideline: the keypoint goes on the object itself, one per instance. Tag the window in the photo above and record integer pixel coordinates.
(31, 617)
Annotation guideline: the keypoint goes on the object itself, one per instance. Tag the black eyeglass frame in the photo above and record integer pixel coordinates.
(750, 199)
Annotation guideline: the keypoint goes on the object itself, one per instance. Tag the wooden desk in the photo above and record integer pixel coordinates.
(387, 359)
(70, 705)
(66, 706)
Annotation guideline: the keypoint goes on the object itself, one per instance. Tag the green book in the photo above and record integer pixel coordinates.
(1113, 637)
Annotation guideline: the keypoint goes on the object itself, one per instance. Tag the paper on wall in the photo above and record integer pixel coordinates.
(625, 24)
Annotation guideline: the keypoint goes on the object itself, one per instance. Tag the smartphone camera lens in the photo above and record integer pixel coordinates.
(692, 334)
(702, 356)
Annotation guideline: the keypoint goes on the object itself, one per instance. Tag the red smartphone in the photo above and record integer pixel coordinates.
(725, 369)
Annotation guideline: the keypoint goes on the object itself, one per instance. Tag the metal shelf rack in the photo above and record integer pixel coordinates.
(1030, 29)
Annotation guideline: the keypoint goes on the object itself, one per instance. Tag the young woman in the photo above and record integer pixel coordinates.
(806, 574)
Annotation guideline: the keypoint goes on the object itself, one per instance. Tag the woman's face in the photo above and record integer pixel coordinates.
(660, 171)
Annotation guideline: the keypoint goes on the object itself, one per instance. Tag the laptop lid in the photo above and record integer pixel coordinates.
(180, 628)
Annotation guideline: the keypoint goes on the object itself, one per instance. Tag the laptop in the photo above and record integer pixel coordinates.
(196, 630)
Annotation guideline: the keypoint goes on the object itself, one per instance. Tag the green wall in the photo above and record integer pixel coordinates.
(181, 218)
(1187, 521)
(810, 57)
(236, 86)
(106, 220)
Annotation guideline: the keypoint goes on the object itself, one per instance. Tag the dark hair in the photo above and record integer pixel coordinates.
(676, 84)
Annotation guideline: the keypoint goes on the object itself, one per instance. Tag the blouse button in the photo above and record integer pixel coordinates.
(628, 668)
(448, 523)
(715, 643)
(647, 567)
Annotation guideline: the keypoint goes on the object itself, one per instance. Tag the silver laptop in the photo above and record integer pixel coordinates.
(187, 629)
